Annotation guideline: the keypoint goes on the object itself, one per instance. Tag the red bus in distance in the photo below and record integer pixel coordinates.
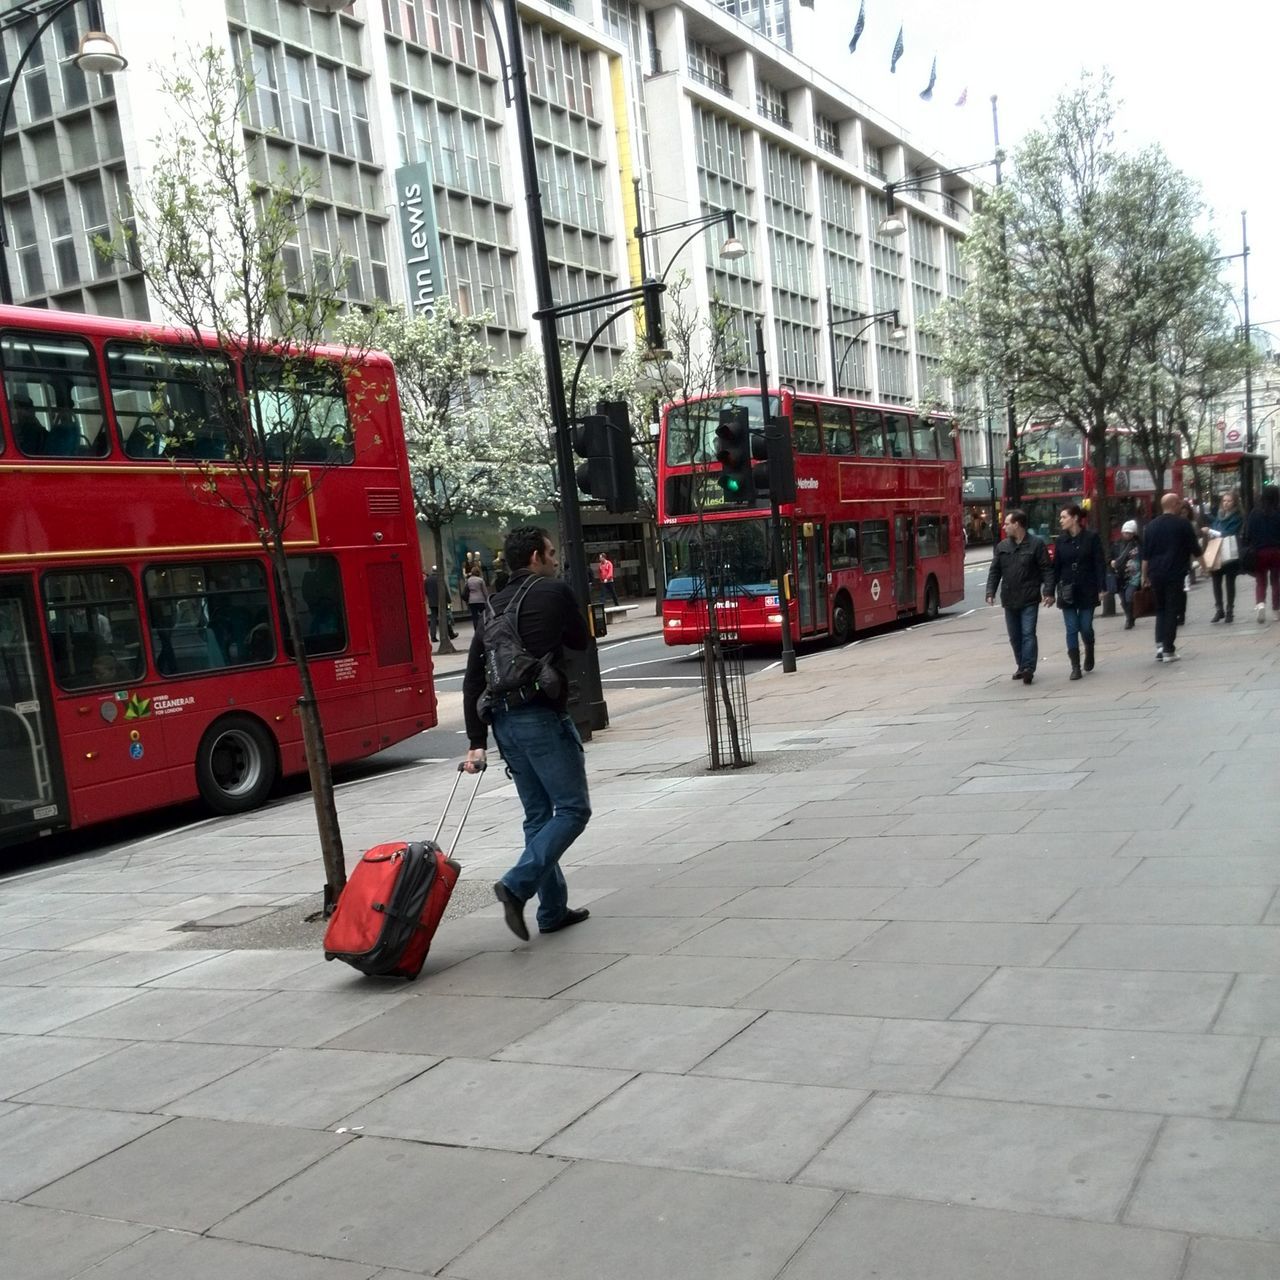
(144, 658)
(875, 534)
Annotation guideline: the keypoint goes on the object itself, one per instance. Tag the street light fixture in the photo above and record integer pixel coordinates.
(98, 54)
(892, 225)
(897, 333)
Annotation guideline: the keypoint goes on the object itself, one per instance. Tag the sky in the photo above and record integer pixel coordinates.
(1201, 79)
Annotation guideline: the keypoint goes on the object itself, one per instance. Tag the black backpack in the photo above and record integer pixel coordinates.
(512, 675)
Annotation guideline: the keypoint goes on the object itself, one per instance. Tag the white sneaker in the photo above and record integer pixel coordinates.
(1159, 655)
(1275, 615)
(1261, 611)
(1170, 657)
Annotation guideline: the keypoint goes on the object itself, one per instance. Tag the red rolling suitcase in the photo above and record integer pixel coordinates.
(390, 908)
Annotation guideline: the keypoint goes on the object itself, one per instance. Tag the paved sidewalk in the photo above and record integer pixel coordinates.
(964, 980)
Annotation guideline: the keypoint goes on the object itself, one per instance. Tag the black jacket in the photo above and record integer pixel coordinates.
(550, 622)
(1022, 571)
(1262, 529)
(1169, 544)
(1078, 563)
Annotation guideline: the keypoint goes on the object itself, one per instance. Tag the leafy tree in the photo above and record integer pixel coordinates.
(210, 239)
(468, 456)
(1079, 265)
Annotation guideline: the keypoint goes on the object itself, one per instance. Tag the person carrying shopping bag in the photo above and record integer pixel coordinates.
(1222, 554)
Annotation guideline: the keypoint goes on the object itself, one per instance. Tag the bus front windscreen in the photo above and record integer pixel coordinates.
(739, 552)
(691, 426)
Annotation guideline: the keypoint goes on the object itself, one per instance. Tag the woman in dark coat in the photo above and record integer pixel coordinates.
(1080, 573)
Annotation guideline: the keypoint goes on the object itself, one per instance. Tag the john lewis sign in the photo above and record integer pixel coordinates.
(420, 236)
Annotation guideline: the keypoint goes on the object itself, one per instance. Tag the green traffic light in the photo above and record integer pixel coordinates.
(733, 486)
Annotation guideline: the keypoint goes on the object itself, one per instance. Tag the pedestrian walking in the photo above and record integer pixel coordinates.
(1080, 574)
(1169, 544)
(501, 575)
(604, 566)
(1262, 536)
(475, 594)
(538, 741)
(437, 604)
(1225, 530)
(1126, 564)
(1023, 573)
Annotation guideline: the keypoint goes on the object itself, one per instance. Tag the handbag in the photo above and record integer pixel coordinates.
(1230, 548)
(1144, 602)
(1066, 595)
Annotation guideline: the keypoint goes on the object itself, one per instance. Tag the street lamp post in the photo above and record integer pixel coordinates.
(98, 53)
(871, 317)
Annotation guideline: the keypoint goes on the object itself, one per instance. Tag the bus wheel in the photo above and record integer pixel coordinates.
(235, 765)
(842, 620)
(931, 599)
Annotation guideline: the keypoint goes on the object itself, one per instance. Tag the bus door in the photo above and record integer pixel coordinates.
(811, 577)
(904, 563)
(32, 795)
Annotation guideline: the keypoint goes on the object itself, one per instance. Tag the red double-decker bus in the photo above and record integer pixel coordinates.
(875, 533)
(144, 658)
(1054, 470)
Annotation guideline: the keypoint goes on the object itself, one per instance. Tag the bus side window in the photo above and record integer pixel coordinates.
(805, 436)
(924, 439)
(897, 435)
(844, 546)
(94, 629)
(870, 431)
(875, 546)
(837, 429)
(317, 586)
(54, 400)
(301, 406)
(206, 617)
(931, 536)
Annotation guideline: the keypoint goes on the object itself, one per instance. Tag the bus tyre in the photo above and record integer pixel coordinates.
(931, 599)
(236, 764)
(842, 620)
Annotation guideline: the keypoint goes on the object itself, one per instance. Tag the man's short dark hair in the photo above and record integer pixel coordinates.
(1017, 516)
(1076, 511)
(520, 545)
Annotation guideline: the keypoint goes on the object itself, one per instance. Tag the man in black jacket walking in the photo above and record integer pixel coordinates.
(538, 741)
(1021, 569)
(1169, 545)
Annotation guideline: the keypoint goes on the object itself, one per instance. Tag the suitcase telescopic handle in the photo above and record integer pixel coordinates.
(478, 769)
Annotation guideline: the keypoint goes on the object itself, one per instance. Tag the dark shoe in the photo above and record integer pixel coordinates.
(1074, 655)
(513, 910)
(1088, 655)
(1018, 675)
(1218, 617)
(1028, 677)
(1228, 619)
(574, 915)
(1128, 624)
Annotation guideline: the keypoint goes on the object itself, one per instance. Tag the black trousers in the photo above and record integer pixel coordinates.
(1229, 572)
(1171, 603)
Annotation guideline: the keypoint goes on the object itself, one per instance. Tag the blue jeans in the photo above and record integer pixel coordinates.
(1022, 635)
(543, 751)
(1079, 623)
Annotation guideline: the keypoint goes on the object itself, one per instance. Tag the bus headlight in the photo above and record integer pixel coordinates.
(673, 622)
(774, 617)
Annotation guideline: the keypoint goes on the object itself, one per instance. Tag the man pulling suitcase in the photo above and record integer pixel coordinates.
(515, 681)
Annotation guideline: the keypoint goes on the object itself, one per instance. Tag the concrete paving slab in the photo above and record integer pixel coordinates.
(672, 979)
(997, 1155)
(1245, 842)
(1118, 998)
(450, 1026)
(1216, 1177)
(42, 1244)
(870, 989)
(166, 1254)
(1168, 904)
(629, 1037)
(800, 939)
(237, 971)
(899, 845)
(995, 871)
(873, 1237)
(507, 1106)
(822, 903)
(647, 1224)
(635, 935)
(340, 1207)
(712, 1126)
(288, 1019)
(142, 1077)
(1002, 903)
(536, 970)
(1252, 1007)
(664, 900)
(157, 1180)
(35, 968)
(138, 968)
(816, 826)
(53, 935)
(844, 1052)
(1051, 844)
(40, 1144)
(150, 1014)
(28, 1061)
(1211, 1259)
(994, 785)
(305, 1088)
(37, 1010)
(1089, 818)
(1189, 947)
(1261, 1099)
(964, 943)
(1123, 1070)
(977, 822)
(854, 871)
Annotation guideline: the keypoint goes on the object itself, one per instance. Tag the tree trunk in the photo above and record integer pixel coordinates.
(313, 741)
(444, 613)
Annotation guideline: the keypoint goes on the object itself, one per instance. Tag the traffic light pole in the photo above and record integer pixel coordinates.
(775, 521)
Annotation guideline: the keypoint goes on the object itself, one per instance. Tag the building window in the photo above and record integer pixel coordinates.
(378, 261)
(708, 67)
(771, 102)
(873, 161)
(75, 83)
(480, 35)
(349, 235)
(360, 119)
(304, 128)
(22, 225)
(266, 89)
(95, 632)
(93, 211)
(36, 81)
(826, 133)
(331, 108)
(57, 214)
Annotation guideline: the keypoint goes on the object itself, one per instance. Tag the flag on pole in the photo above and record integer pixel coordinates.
(963, 98)
(897, 53)
(927, 92)
(858, 26)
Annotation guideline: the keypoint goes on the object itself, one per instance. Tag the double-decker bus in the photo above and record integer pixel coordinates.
(144, 658)
(1207, 476)
(875, 533)
(1055, 470)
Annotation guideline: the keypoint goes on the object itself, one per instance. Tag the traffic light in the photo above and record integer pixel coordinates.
(782, 461)
(603, 438)
(733, 453)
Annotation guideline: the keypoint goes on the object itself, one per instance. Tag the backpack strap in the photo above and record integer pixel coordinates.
(517, 600)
